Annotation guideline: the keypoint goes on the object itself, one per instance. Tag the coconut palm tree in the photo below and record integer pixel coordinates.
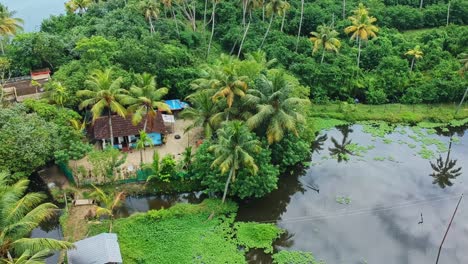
(168, 4)
(108, 203)
(326, 39)
(362, 27)
(9, 25)
(81, 5)
(415, 54)
(285, 9)
(28, 258)
(105, 93)
(223, 81)
(300, 24)
(56, 93)
(233, 151)
(250, 6)
(274, 7)
(145, 99)
(277, 112)
(142, 143)
(202, 112)
(445, 171)
(20, 213)
(213, 16)
(151, 11)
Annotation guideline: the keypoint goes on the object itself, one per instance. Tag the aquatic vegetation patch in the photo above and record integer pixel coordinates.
(377, 128)
(255, 235)
(358, 150)
(343, 200)
(294, 257)
(430, 124)
(455, 139)
(379, 158)
(426, 153)
(458, 123)
(326, 123)
(187, 233)
(387, 141)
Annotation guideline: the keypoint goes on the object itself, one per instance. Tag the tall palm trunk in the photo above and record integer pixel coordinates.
(231, 174)
(263, 11)
(141, 158)
(282, 21)
(421, 4)
(10, 258)
(110, 128)
(212, 27)
(243, 38)
(412, 64)
(244, 10)
(175, 21)
(204, 17)
(448, 12)
(300, 24)
(111, 223)
(343, 14)
(1, 46)
(323, 55)
(268, 30)
(461, 102)
(359, 51)
(151, 25)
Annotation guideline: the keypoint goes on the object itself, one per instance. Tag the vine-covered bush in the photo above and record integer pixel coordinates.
(245, 184)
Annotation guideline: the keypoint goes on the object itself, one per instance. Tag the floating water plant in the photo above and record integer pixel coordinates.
(343, 200)
(426, 153)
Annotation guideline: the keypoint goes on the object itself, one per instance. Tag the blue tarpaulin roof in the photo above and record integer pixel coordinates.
(176, 104)
(156, 138)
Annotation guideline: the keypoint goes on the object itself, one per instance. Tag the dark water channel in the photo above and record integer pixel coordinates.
(369, 211)
(51, 228)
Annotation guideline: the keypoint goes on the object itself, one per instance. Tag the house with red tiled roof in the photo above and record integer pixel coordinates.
(125, 132)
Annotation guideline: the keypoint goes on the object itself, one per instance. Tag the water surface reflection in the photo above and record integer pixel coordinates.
(386, 200)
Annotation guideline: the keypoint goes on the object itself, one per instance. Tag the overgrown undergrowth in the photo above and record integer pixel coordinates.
(392, 113)
(188, 233)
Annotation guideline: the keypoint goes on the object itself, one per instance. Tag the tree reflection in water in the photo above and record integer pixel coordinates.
(445, 171)
(317, 145)
(339, 149)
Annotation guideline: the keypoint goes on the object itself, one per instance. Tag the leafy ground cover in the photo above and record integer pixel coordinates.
(392, 113)
(187, 233)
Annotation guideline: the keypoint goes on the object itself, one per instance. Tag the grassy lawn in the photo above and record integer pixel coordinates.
(393, 113)
(187, 233)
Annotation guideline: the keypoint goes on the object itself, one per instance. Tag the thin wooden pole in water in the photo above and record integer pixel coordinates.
(448, 228)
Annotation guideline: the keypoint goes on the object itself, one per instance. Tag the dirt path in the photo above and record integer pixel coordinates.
(77, 222)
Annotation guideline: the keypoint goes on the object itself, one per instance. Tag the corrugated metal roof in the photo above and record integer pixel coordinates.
(101, 249)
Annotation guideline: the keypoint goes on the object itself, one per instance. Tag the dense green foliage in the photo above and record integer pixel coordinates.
(184, 234)
(20, 213)
(246, 184)
(255, 235)
(111, 33)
